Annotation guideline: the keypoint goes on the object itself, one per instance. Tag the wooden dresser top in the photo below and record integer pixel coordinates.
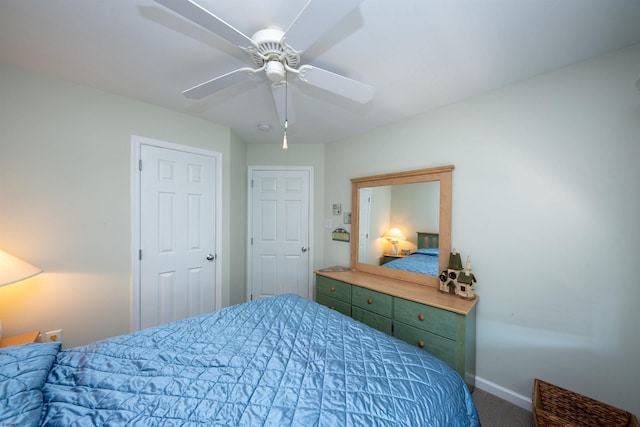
(410, 291)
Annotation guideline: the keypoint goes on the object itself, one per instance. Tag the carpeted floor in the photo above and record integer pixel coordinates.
(495, 412)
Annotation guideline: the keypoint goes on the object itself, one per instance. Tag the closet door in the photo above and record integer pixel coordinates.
(178, 254)
(280, 233)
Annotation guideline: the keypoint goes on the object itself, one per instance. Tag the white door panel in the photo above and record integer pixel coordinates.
(177, 234)
(280, 231)
(363, 223)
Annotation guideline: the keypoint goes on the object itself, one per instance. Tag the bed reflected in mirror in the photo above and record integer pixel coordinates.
(402, 223)
(413, 210)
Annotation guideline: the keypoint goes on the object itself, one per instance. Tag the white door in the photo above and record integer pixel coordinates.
(279, 232)
(363, 224)
(178, 214)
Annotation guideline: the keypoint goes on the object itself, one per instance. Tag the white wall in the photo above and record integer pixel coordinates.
(238, 221)
(65, 167)
(547, 205)
(406, 203)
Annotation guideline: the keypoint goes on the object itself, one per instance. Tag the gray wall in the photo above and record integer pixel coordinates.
(65, 201)
(547, 205)
(238, 221)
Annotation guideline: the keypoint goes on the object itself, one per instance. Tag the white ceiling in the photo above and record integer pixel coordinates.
(418, 54)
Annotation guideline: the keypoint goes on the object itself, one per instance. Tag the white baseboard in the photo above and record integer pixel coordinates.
(503, 393)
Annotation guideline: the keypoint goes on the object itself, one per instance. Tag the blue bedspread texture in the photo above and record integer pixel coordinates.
(422, 262)
(280, 361)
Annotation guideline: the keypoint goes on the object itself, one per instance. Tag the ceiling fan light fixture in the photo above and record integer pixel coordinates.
(275, 71)
(285, 146)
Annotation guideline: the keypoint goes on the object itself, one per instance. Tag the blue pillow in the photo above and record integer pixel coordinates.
(428, 251)
(23, 372)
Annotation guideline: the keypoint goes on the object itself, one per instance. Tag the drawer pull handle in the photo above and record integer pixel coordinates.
(369, 301)
(332, 289)
(421, 344)
(420, 317)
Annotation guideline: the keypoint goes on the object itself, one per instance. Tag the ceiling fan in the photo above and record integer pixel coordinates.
(277, 52)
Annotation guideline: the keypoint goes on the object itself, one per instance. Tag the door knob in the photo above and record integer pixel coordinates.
(211, 257)
(304, 249)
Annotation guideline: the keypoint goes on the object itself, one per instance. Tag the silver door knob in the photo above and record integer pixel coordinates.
(304, 249)
(211, 257)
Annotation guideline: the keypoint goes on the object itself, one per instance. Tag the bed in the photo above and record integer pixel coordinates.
(424, 260)
(279, 361)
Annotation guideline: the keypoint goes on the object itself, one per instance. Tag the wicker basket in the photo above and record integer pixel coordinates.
(558, 407)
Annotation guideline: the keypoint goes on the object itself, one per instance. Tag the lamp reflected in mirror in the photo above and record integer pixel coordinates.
(394, 235)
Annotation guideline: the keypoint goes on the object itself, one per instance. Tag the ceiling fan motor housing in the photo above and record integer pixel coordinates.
(275, 71)
(275, 52)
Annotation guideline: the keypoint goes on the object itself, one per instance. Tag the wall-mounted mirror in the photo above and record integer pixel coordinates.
(401, 224)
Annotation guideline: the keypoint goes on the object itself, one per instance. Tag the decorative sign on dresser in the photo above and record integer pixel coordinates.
(442, 324)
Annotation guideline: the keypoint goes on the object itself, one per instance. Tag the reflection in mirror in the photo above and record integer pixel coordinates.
(412, 210)
(401, 222)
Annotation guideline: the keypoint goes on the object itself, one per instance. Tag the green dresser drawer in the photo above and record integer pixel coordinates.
(376, 321)
(334, 304)
(431, 319)
(376, 302)
(440, 347)
(334, 288)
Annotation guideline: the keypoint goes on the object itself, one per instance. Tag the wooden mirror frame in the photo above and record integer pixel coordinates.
(442, 174)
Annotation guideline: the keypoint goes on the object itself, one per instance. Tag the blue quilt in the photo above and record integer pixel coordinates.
(23, 371)
(423, 261)
(275, 362)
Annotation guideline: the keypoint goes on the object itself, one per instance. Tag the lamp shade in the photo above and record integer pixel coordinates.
(13, 269)
(394, 234)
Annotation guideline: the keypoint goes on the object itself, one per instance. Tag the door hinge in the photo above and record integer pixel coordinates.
(251, 297)
(140, 165)
(140, 254)
(252, 241)
(251, 183)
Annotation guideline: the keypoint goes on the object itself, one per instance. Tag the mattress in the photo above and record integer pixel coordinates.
(280, 361)
(424, 261)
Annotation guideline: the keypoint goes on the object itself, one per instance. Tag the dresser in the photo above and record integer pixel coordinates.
(442, 324)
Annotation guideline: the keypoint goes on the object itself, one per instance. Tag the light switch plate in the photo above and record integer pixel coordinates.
(337, 209)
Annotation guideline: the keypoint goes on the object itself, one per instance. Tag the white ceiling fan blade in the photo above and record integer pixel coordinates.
(282, 98)
(222, 82)
(336, 83)
(315, 19)
(207, 20)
